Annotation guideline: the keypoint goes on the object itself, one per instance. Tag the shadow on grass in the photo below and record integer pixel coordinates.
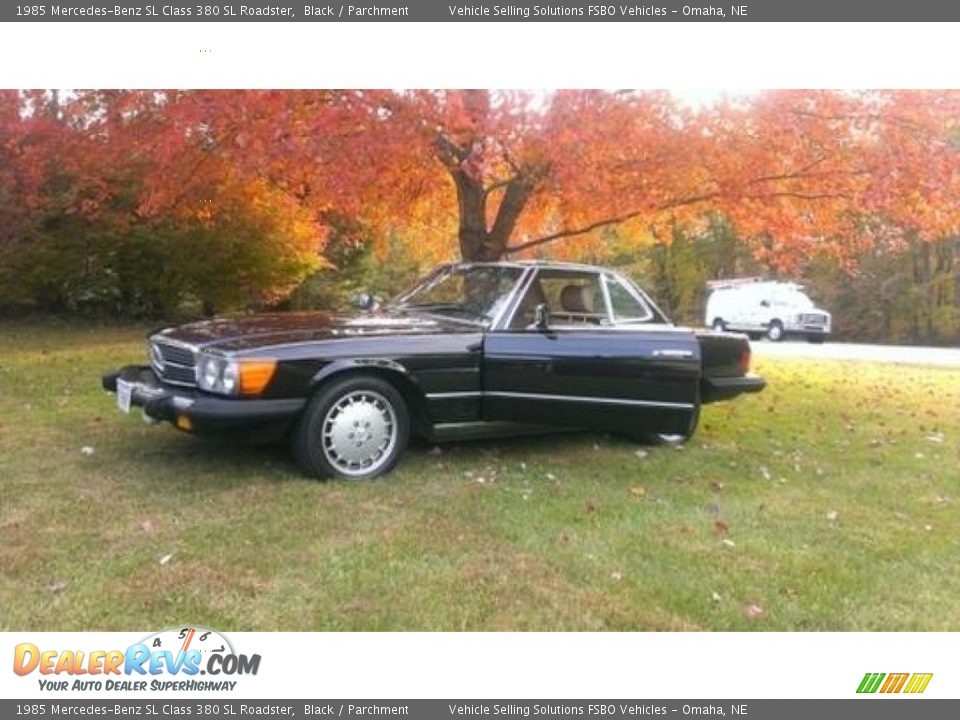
(218, 463)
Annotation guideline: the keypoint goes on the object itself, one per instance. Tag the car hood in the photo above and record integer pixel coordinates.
(249, 332)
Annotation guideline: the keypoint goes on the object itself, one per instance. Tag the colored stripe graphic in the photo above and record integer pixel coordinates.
(895, 682)
(918, 683)
(870, 682)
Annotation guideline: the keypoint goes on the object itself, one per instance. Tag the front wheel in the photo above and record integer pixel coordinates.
(354, 428)
(775, 331)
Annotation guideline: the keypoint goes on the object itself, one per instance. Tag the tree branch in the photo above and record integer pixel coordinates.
(608, 222)
(617, 220)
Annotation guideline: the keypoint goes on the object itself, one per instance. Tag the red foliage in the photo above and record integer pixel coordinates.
(797, 172)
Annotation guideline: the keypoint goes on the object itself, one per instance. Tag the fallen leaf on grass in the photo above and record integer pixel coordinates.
(638, 491)
(641, 453)
(715, 596)
(832, 515)
(716, 485)
(56, 587)
(935, 438)
(146, 526)
(753, 611)
(166, 559)
(616, 576)
(720, 527)
(728, 542)
(86, 451)
(765, 472)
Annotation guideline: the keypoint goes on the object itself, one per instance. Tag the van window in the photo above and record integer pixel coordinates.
(791, 298)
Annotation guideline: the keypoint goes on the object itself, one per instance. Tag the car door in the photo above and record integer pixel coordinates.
(606, 360)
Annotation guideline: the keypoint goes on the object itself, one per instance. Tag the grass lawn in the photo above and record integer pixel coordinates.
(831, 501)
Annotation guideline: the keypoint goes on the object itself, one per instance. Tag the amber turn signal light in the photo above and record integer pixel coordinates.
(255, 375)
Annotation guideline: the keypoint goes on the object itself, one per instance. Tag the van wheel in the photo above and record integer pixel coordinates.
(775, 331)
(719, 325)
(354, 428)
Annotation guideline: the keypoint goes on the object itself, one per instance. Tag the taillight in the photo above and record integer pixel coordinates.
(745, 360)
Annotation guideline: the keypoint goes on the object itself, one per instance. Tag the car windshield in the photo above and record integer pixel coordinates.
(474, 293)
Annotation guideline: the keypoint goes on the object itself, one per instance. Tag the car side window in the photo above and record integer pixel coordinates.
(625, 305)
(573, 299)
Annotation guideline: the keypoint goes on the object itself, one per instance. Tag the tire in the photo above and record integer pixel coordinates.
(355, 428)
(674, 439)
(719, 325)
(775, 331)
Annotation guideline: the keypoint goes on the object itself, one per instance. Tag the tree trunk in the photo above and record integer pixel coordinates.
(478, 242)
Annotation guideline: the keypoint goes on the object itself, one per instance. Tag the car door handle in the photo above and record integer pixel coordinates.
(673, 353)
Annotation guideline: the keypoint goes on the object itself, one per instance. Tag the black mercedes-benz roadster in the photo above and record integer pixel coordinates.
(473, 350)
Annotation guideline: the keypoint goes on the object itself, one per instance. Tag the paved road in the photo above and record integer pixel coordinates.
(949, 357)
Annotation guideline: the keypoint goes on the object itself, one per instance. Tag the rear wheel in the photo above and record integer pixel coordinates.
(675, 438)
(354, 428)
(775, 331)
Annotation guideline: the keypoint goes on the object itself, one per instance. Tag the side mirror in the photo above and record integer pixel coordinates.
(364, 301)
(541, 317)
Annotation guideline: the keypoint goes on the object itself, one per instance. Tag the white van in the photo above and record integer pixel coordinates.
(765, 307)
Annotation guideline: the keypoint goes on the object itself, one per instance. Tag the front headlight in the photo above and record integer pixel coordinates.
(229, 377)
(234, 377)
(209, 370)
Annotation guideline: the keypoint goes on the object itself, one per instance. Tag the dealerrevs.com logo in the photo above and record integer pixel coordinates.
(180, 659)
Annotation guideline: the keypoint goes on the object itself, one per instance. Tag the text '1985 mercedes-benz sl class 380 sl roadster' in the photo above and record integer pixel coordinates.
(472, 350)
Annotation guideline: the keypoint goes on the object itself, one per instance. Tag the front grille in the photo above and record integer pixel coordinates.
(815, 320)
(173, 363)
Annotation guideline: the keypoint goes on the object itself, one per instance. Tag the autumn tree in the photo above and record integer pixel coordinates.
(488, 174)
(796, 171)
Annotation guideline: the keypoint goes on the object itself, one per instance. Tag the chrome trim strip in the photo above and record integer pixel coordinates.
(589, 399)
(170, 363)
(668, 353)
(605, 289)
(509, 308)
(453, 395)
(166, 381)
(164, 340)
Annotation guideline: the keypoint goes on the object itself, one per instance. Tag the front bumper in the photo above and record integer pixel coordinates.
(715, 389)
(195, 411)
